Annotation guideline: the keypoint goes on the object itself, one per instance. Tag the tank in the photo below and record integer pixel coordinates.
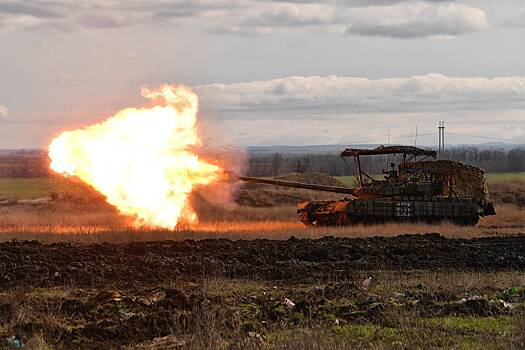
(419, 188)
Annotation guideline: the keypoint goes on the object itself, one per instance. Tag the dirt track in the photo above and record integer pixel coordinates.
(35, 264)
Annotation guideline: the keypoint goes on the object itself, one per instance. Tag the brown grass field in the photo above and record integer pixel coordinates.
(98, 283)
(79, 214)
(19, 222)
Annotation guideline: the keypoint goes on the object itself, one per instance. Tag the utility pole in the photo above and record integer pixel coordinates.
(441, 132)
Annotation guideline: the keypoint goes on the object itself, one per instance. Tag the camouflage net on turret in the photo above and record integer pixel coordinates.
(459, 179)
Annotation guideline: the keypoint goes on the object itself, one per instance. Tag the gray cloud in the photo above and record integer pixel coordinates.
(389, 2)
(99, 14)
(352, 3)
(389, 18)
(31, 14)
(430, 92)
(270, 17)
(392, 18)
(414, 20)
(40, 9)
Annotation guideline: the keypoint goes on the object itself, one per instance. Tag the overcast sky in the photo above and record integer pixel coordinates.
(291, 72)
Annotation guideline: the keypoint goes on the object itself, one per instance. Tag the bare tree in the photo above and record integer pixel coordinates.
(300, 165)
(277, 162)
(516, 160)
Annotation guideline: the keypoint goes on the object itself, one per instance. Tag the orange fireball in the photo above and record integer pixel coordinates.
(141, 159)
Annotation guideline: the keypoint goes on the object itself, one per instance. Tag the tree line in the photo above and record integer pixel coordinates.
(24, 164)
(36, 163)
(491, 160)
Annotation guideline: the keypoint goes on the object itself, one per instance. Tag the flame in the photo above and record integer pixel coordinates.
(141, 160)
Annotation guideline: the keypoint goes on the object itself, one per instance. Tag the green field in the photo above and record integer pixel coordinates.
(29, 188)
(22, 188)
(38, 187)
(504, 177)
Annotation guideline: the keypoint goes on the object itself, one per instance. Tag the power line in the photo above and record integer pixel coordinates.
(391, 138)
(412, 135)
(482, 137)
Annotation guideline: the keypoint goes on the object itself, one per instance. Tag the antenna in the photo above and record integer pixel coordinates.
(441, 132)
(443, 136)
(415, 138)
(388, 144)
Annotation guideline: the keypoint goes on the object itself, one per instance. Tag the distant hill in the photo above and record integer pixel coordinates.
(312, 149)
(336, 149)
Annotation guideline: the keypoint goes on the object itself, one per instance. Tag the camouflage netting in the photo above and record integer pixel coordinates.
(458, 179)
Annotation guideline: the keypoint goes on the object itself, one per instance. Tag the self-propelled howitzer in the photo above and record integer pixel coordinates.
(417, 190)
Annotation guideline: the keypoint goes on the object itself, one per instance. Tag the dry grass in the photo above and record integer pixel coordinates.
(509, 192)
(239, 223)
(79, 215)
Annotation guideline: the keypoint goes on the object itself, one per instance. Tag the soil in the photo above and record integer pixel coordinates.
(223, 294)
(39, 265)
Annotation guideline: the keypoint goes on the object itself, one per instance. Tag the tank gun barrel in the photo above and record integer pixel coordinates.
(292, 184)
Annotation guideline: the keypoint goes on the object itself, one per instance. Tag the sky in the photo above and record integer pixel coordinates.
(296, 72)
